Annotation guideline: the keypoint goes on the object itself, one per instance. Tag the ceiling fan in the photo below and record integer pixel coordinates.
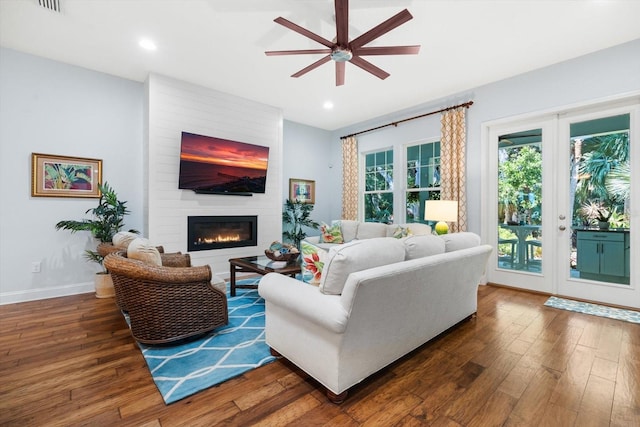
(342, 50)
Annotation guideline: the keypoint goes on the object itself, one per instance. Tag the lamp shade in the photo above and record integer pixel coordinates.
(441, 210)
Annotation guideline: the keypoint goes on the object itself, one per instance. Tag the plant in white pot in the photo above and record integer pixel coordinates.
(106, 220)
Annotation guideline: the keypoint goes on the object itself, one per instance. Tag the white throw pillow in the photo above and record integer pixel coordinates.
(457, 241)
(369, 230)
(349, 229)
(122, 239)
(142, 250)
(422, 246)
(356, 256)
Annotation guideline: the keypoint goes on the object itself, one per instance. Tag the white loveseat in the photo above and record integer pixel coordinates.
(422, 286)
(356, 230)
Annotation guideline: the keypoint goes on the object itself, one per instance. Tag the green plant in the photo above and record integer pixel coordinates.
(619, 220)
(107, 219)
(596, 210)
(602, 155)
(520, 178)
(297, 215)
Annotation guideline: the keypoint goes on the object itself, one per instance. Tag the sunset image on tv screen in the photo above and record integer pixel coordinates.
(221, 165)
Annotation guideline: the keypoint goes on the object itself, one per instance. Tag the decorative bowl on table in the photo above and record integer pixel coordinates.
(282, 252)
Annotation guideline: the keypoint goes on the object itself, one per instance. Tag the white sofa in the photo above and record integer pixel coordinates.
(356, 230)
(422, 286)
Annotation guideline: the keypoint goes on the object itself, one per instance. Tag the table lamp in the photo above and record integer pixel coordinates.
(441, 211)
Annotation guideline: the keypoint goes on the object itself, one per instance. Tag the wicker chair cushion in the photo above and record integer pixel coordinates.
(141, 250)
(122, 239)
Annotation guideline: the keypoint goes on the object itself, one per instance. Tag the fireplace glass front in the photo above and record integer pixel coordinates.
(220, 232)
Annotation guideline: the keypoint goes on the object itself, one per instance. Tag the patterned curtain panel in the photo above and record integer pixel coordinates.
(453, 167)
(350, 178)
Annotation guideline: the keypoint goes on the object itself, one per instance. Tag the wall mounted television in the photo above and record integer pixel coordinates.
(220, 166)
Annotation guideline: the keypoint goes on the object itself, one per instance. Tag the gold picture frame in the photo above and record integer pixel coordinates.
(65, 176)
(302, 190)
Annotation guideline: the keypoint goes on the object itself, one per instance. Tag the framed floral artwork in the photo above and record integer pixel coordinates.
(65, 176)
(302, 190)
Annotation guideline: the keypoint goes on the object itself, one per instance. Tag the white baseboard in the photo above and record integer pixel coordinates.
(44, 293)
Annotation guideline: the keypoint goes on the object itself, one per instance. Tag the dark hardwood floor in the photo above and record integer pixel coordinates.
(71, 361)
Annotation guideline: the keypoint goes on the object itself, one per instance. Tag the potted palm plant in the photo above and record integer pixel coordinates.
(297, 215)
(106, 220)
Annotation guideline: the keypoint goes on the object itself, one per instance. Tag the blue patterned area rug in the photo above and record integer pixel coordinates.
(182, 370)
(594, 309)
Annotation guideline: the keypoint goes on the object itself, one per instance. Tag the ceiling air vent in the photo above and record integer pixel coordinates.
(52, 5)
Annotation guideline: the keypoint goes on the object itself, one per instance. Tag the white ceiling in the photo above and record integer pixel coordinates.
(220, 44)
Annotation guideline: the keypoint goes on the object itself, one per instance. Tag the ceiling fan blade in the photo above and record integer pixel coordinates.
(368, 66)
(340, 73)
(387, 50)
(380, 29)
(313, 66)
(342, 22)
(298, 29)
(297, 52)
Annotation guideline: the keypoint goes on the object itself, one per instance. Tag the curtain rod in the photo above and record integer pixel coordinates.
(466, 104)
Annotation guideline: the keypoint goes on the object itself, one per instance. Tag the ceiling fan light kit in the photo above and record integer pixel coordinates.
(342, 50)
(341, 55)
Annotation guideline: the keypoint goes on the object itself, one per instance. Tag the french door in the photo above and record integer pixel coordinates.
(546, 179)
(519, 203)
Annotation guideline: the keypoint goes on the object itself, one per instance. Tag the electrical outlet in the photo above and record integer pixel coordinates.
(35, 267)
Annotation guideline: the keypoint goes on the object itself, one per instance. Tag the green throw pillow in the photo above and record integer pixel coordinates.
(401, 232)
(331, 233)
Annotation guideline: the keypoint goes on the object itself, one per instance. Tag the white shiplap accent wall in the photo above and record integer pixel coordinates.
(175, 106)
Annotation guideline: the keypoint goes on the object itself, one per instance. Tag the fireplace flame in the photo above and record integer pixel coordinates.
(218, 239)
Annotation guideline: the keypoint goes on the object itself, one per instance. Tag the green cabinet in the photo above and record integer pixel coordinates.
(603, 255)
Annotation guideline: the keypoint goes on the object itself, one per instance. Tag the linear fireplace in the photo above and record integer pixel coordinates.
(219, 232)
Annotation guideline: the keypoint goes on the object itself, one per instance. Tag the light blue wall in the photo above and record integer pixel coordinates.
(54, 108)
(307, 155)
(602, 74)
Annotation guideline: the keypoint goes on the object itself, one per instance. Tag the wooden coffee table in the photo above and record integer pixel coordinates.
(258, 264)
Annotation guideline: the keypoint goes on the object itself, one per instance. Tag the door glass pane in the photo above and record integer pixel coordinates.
(600, 188)
(520, 201)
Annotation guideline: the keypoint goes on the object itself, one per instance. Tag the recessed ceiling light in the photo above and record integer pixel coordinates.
(147, 44)
(328, 105)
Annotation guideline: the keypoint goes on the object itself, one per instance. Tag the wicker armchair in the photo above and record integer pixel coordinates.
(167, 304)
(176, 259)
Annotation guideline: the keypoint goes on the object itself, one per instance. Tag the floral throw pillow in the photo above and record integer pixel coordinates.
(401, 232)
(313, 259)
(331, 233)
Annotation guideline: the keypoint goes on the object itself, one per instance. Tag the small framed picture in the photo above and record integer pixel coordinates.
(65, 176)
(302, 190)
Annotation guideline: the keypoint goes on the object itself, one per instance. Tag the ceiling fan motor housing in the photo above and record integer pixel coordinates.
(339, 54)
